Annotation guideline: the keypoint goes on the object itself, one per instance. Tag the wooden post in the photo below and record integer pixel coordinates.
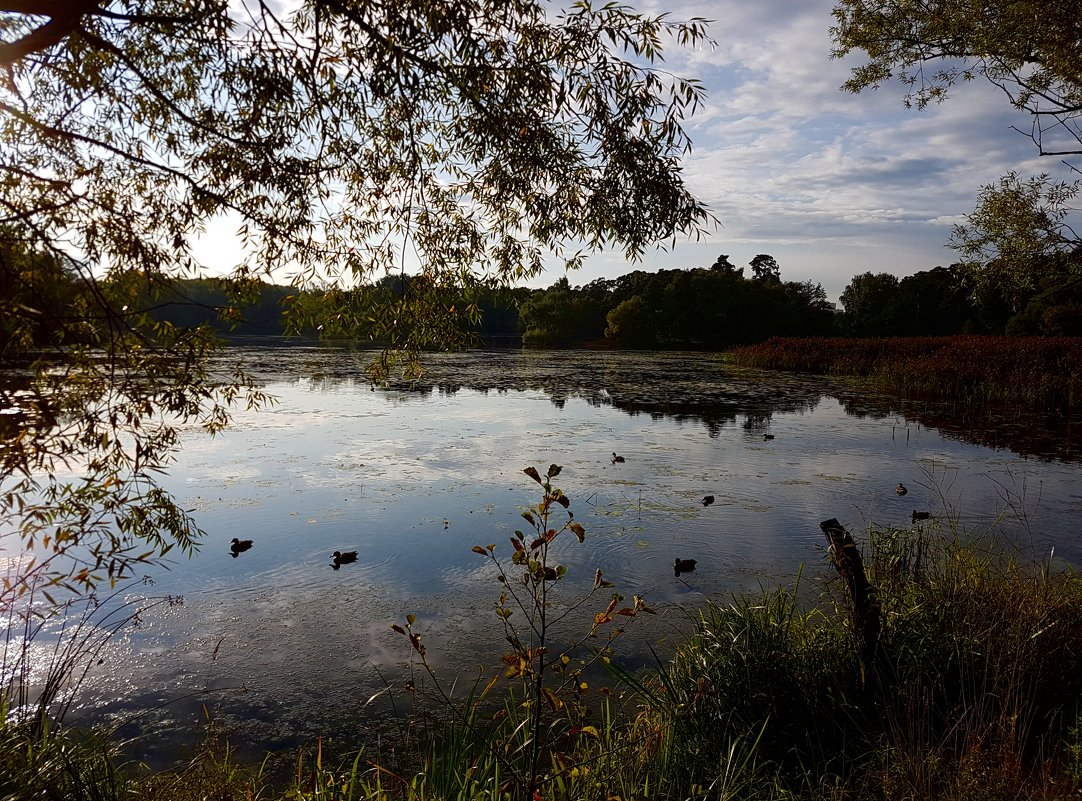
(850, 566)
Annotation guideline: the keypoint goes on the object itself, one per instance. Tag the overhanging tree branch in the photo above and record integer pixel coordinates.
(63, 19)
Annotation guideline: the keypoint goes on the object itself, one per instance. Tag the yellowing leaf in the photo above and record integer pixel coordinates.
(555, 702)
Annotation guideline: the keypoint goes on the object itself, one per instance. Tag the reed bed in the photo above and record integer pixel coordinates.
(1039, 372)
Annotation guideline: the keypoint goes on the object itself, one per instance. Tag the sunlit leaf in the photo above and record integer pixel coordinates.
(554, 701)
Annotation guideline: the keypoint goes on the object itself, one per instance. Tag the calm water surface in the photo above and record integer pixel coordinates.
(283, 648)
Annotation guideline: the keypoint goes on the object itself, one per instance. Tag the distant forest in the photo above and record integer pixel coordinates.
(700, 308)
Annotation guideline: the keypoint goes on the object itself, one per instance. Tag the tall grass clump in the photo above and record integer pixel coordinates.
(974, 689)
(1039, 372)
(980, 672)
(763, 698)
(46, 650)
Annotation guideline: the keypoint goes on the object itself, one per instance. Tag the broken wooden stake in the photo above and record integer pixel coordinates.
(850, 566)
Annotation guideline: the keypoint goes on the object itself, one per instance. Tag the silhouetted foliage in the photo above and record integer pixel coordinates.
(698, 308)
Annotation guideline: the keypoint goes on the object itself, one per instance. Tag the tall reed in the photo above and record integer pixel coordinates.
(1040, 372)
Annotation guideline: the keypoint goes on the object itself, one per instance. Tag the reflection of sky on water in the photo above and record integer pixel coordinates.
(413, 481)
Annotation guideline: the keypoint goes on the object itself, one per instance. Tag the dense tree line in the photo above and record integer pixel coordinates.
(942, 301)
(700, 308)
(697, 308)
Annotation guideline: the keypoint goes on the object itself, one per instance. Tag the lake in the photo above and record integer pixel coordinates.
(282, 648)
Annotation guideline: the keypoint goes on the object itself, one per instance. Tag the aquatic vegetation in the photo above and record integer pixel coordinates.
(1044, 372)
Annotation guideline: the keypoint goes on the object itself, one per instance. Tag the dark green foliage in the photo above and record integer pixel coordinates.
(38, 291)
(195, 302)
(48, 762)
(698, 308)
(760, 663)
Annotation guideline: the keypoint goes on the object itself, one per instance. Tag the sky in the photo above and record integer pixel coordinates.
(829, 183)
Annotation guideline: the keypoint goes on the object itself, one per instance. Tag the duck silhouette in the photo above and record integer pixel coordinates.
(767, 437)
(616, 458)
(707, 500)
(237, 547)
(683, 566)
(900, 489)
(920, 515)
(340, 558)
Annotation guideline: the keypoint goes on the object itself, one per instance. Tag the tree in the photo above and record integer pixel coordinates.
(632, 324)
(723, 265)
(342, 140)
(1020, 235)
(765, 268)
(870, 302)
(1028, 49)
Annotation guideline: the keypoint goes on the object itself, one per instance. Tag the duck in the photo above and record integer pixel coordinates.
(767, 437)
(920, 515)
(616, 458)
(237, 547)
(683, 566)
(707, 500)
(340, 558)
(900, 489)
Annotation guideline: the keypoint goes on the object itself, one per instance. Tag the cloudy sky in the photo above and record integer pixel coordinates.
(830, 184)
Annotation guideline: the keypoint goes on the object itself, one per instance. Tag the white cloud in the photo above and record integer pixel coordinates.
(829, 183)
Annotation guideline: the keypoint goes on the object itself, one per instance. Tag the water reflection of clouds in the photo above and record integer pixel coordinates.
(337, 466)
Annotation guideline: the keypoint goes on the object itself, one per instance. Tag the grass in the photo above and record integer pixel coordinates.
(1039, 372)
(975, 691)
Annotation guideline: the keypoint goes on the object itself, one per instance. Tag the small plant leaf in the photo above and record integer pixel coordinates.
(554, 470)
(480, 550)
(555, 702)
(578, 530)
(532, 473)
(411, 619)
